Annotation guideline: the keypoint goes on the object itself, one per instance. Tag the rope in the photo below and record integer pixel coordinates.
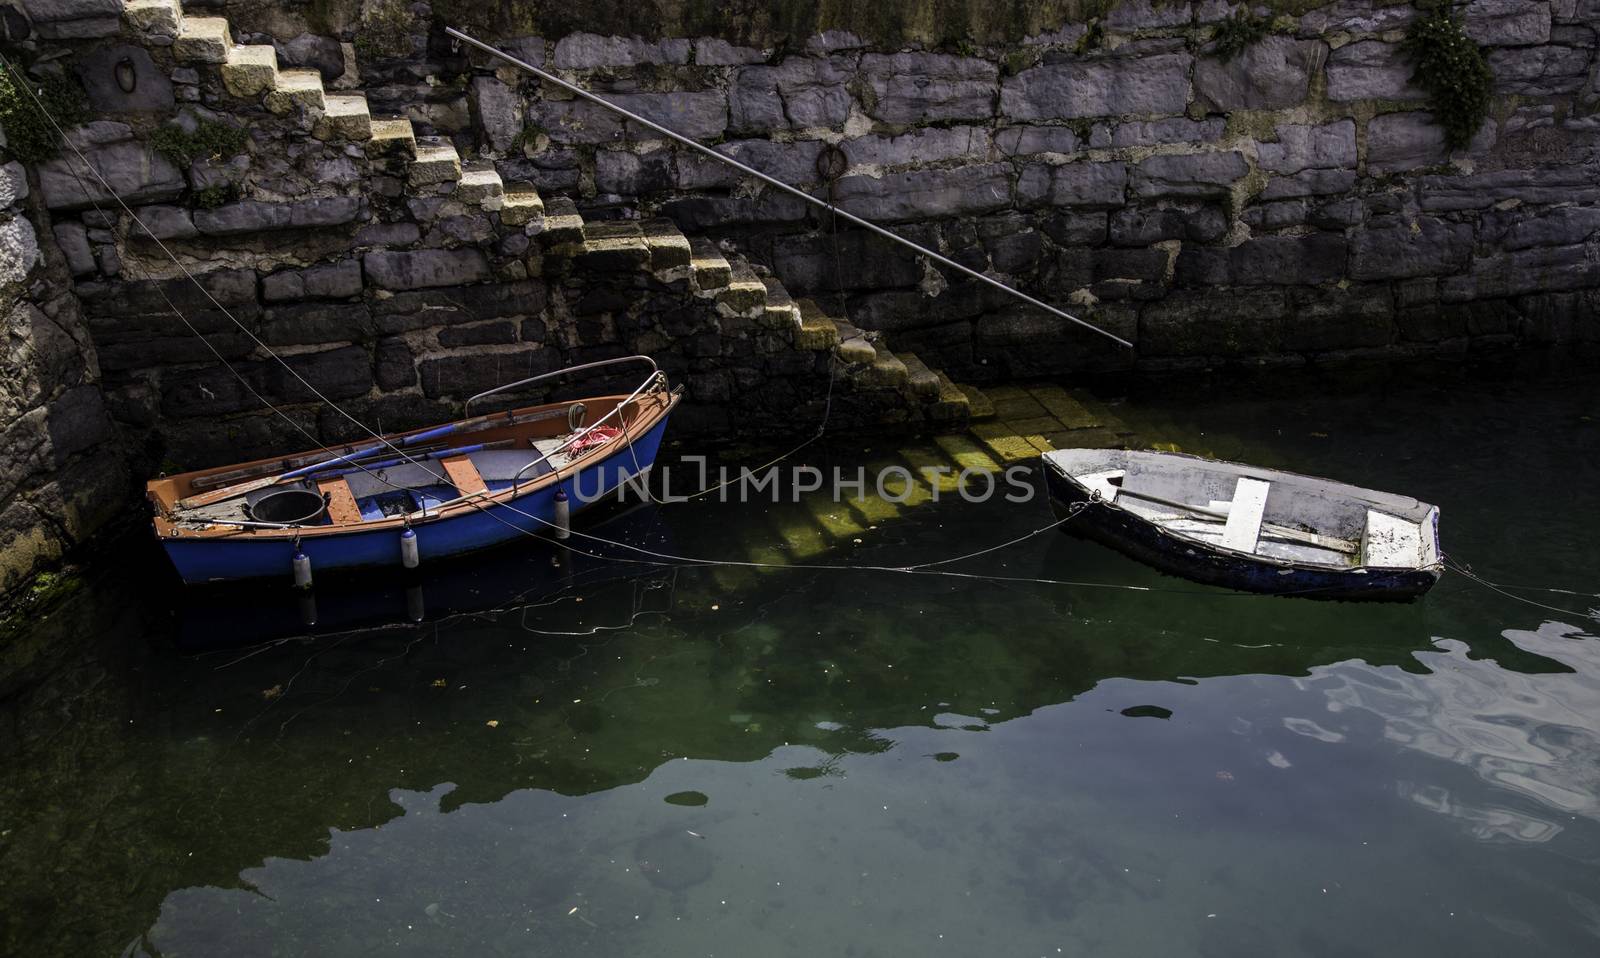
(1466, 572)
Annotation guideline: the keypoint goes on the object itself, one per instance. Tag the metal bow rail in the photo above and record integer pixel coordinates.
(771, 181)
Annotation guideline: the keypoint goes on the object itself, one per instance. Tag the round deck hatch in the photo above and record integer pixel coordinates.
(288, 506)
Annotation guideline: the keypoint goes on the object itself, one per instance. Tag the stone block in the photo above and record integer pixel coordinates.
(1201, 323)
(1370, 70)
(1143, 226)
(588, 51)
(1302, 147)
(165, 222)
(1137, 133)
(1110, 87)
(250, 70)
(1334, 318)
(714, 52)
(297, 89)
(345, 116)
(481, 186)
(464, 374)
(423, 269)
(1273, 74)
(204, 39)
(921, 146)
(1199, 175)
(1029, 140)
(393, 366)
(1265, 261)
(1550, 70)
(929, 87)
(53, 11)
(74, 243)
(1540, 269)
(521, 206)
(1482, 190)
(1134, 15)
(1395, 248)
(499, 111)
(135, 172)
(1081, 184)
(1309, 183)
(800, 92)
(435, 163)
(1397, 142)
(1504, 23)
(13, 184)
(793, 162)
(392, 138)
(311, 52)
(626, 173)
(19, 250)
(922, 194)
(152, 92)
(334, 281)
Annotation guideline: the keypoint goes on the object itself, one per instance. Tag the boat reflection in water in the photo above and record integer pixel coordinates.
(520, 574)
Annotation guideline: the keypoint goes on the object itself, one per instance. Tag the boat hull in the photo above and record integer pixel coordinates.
(1154, 546)
(202, 560)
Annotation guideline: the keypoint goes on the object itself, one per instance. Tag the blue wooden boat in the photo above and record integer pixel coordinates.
(412, 498)
(1239, 526)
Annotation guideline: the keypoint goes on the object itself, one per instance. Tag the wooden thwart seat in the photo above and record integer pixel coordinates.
(1391, 542)
(342, 506)
(1244, 515)
(463, 475)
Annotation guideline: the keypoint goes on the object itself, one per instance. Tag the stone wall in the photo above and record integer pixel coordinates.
(404, 221)
(62, 472)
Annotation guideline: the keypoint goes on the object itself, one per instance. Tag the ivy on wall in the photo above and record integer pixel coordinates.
(29, 135)
(1451, 67)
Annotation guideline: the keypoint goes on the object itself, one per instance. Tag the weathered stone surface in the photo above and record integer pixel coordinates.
(1112, 87)
(588, 51)
(1503, 23)
(1330, 146)
(465, 374)
(1404, 141)
(74, 242)
(498, 110)
(1074, 228)
(137, 173)
(165, 222)
(50, 11)
(427, 268)
(1328, 319)
(917, 146)
(334, 281)
(392, 364)
(1265, 217)
(1143, 226)
(311, 52)
(152, 92)
(250, 70)
(1370, 70)
(1270, 75)
(1083, 184)
(1145, 15)
(715, 52)
(1563, 226)
(1265, 261)
(1482, 190)
(19, 249)
(1136, 133)
(1548, 70)
(1202, 175)
(1539, 269)
(250, 216)
(699, 115)
(921, 194)
(634, 174)
(1195, 323)
(13, 184)
(1357, 17)
(1392, 247)
(800, 92)
(922, 87)
(793, 162)
(1309, 183)
(1029, 140)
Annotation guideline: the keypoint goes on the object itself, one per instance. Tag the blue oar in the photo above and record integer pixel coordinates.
(437, 454)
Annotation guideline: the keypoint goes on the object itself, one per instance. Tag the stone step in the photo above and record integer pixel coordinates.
(965, 453)
(708, 268)
(1065, 407)
(615, 246)
(816, 330)
(392, 138)
(202, 40)
(250, 70)
(481, 185)
(437, 162)
(522, 206)
(745, 294)
(345, 117)
(669, 248)
(781, 311)
(932, 468)
(837, 519)
(800, 534)
(155, 19)
(952, 405)
(872, 507)
(1006, 444)
(886, 371)
(563, 226)
(977, 402)
(854, 348)
(914, 492)
(297, 89)
(921, 382)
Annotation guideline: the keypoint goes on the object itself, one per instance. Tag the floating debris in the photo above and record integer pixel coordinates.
(493, 723)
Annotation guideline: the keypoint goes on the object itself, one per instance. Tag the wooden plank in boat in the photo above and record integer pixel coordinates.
(342, 506)
(1244, 515)
(1391, 542)
(463, 475)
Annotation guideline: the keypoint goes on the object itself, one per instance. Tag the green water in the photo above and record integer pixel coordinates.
(866, 764)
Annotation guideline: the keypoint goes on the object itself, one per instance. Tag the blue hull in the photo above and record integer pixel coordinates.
(220, 560)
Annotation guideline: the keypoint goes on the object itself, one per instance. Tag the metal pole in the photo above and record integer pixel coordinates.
(730, 161)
